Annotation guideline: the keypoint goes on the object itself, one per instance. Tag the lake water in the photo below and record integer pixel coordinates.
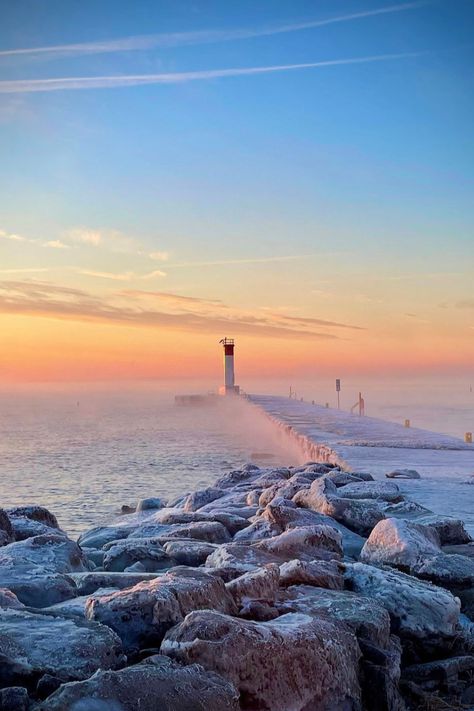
(84, 453)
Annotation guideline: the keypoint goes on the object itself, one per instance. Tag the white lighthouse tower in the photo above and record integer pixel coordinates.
(229, 387)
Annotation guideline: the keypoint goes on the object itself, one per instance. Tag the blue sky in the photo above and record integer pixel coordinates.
(350, 170)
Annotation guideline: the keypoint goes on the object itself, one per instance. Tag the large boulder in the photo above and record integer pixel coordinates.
(24, 527)
(88, 583)
(142, 614)
(417, 608)
(451, 531)
(120, 555)
(35, 569)
(293, 663)
(32, 644)
(454, 572)
(35, 513)
(367, 618)
(9, 599)
(305, 543)
(209, 531)
(378, 490)
(197, 499)
(189, 552)
(320, 573)
(158, 683)
(259, 584)
(401, 544)
(403, 474)
(359, 515)
(100, 535)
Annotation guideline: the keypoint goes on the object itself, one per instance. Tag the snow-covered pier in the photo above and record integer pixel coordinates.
(366, 443)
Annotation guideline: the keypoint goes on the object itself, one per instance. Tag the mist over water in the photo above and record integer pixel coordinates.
(83, 451)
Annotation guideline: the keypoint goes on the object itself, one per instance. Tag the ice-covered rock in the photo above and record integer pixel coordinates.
(417, 608)
(6, 529)
(150, 504)
(378, 490)
(209, 531)
(259, 584)
(14, 698)
(283, 664)
(141, 615)
(188, 552)
(451, 531)
(24, 528)
(100, 535)
(453, 572)
(399, 543)
(120, 555)
(320, 573)
(305, 543)
(88, 583)
(157, 683)
(32, 644)
(403, 474)
(34, 569)
(366, 617)
(202, 497)
(35, 513)
(359, 515)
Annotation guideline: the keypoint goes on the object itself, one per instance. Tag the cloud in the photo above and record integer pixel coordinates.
(125, 80)
(465, 304)
(159, 256)
(317, 322)
(85, 236)
(177, 39)
(53, 301)
(256, 260)
(28, 270)
(121, 276)
(173, 299)
(12, 237)
(56, 244)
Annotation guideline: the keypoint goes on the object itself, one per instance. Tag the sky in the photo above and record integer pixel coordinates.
(295, 174)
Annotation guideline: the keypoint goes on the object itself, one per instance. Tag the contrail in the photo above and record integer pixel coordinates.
(176, 39)
(18, 86)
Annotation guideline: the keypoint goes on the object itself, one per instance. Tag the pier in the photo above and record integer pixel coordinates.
(366, 443)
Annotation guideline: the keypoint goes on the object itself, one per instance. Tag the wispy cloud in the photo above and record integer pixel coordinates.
(11, 237)
(56, 244)
(125, 80)
(32, 270)
(52, 301)
(121, 276)
(159, 256)
(176, 39)
(465, 304)
(249, 260)
(301, 320)
(172, 299)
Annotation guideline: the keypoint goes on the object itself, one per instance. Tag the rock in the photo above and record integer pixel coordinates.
(126, 509)
(406, 509)
(451, 531)
(278, 665)
(6, 529)
(257, 610)
(149, 504)
(188, 552)
(284, 489)
(257, 531)
(441, 674)
(32, 644)
(378, 490)
(157, 684)
(234, 559)
(47, 685)
(380, 676)
(9, 599)
(359, 515)
(403, 474)
(209, 531)
(339, 478)
(94, 555)
(231, 522)
(260, 584)
(320, 573)
(401, 544)
(202, 497)
(34, 569)
(122, 554)
(76, 607)
(305, 543)
(14, 698)
(35, 513)
(453, 572)
(100, 535)
(366, 618)
(24, 528)
(141, 615)
(417, 609)
(88, 583)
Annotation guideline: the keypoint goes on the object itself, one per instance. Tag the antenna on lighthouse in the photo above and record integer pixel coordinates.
(229, 387)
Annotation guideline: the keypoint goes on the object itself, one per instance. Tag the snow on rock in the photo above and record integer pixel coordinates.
(378, 490)
(305, 542)
(9, 599)
(188, 552)
(366, 617)
(150, 504)
(34, 513)
(293, 663)
(359, 515)
(141, 615)
(451, 531)
(417, 608)
(400, 543)
(120, 555)
(88, 583)
(260, 584)
(157, 683)
(32, 644)
(320, 573)
(194, 501)
(209, 531)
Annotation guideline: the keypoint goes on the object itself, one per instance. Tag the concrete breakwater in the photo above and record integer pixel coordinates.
(288, 589)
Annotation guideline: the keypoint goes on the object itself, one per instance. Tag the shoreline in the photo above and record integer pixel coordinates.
(342, 592)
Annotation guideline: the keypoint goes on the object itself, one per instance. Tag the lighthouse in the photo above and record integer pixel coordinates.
(229, 387)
